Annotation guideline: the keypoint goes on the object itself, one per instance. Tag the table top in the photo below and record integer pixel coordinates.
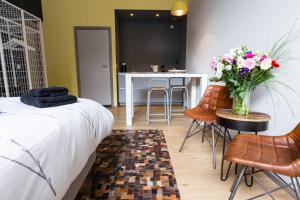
(251, 117)
(163, 74)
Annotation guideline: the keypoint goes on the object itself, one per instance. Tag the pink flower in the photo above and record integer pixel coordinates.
(249, 54)
(263, 58)
(228, 58)
(213, 63)
(250, 63)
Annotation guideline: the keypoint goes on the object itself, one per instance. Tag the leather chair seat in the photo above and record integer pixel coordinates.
(277, 154)
(201, 115)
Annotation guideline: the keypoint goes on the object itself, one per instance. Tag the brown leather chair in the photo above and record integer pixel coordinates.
(277, 154)
(215, 97)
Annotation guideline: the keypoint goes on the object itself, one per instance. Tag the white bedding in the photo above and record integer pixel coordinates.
(43, 150)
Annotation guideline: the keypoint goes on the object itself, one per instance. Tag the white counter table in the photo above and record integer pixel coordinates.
(198, 83)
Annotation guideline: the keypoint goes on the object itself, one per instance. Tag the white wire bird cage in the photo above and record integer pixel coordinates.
(22, 65)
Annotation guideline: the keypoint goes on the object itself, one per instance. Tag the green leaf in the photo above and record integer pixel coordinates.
(214, 79)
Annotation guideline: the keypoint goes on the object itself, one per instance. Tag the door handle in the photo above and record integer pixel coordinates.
(105, 66)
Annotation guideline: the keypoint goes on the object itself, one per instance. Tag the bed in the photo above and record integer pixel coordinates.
(46, 153)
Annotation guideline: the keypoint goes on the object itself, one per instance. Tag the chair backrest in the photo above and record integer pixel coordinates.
(215, 97)
(176, 81)
(295, 134)
(159, 82)
(293, 139)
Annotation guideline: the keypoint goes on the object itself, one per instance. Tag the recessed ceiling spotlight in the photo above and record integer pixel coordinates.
(131, 14)
(156, 15)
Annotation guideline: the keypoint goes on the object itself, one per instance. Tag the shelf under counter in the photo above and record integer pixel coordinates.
(140, 92)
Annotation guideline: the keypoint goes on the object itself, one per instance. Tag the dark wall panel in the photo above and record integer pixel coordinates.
(32, 6)
(143, 42)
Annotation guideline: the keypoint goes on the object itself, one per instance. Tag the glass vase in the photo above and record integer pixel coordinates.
(241, 103)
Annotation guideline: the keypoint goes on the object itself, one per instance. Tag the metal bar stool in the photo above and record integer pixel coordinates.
(159, 85)
(183, 88)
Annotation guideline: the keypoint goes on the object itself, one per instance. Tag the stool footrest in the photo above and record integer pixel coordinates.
(158, 120)
(157, 114)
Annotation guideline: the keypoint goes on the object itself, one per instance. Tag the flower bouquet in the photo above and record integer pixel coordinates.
(243, 70)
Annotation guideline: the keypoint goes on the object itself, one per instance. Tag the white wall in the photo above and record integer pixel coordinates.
(215, 26)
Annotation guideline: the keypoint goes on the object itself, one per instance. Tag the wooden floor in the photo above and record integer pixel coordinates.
(195, 175)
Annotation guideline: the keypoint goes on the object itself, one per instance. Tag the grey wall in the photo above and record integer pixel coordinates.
(214, 27)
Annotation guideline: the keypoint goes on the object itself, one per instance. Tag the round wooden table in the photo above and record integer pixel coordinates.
(253, 122)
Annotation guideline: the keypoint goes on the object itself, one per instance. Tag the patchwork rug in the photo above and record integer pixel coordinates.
(131, 165)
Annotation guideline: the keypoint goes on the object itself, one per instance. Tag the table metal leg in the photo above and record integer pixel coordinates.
(224, 178)
(236, 165)
(251, 179)
(252, 171)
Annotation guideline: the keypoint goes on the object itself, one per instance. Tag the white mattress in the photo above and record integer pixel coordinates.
(43, 150)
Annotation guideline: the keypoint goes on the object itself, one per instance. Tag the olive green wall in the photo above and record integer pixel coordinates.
(60, 16)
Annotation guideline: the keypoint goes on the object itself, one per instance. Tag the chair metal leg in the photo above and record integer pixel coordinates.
(203, 132)
(187, 135)
(148, 108)
(165, 106)
(213, 146)
(171, 102)
(296, 187)
(234, 182)
(263, 187)
(187, 97)
(237, 183)
(167, 103)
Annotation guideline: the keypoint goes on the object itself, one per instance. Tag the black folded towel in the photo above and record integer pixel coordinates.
(48, 92)
(44, 102)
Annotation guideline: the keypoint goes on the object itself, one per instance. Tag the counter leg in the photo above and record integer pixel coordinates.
(128, 89)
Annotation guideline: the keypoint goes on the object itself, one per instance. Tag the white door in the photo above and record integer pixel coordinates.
(93, 49)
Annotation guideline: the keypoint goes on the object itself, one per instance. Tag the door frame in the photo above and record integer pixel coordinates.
(76, 28)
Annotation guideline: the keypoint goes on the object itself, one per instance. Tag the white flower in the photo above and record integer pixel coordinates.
(219, 74)
(228, 67)
(240, 63)
(239, 51)
(266, 64)
(256, 58)
(220, 67)
(232, 52)
(257, 52)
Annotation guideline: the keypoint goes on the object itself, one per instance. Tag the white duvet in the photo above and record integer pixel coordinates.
(42, 151)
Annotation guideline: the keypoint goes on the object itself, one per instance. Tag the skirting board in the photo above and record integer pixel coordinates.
(77, 183)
